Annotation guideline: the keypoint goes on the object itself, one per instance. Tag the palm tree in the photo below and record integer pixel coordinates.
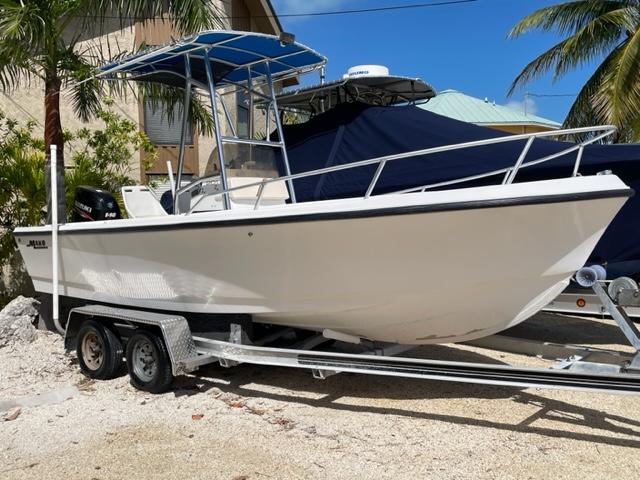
(604, 30)
(40, 40)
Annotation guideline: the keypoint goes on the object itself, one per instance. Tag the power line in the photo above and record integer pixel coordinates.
(372, 10)
(550, 95)
(326, 13)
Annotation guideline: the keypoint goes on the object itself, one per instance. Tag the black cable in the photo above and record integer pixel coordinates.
(370, 10)
(550, 94)
(334, 12)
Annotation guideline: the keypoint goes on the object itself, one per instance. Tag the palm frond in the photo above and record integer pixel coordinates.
(190, 16)
(85, 90)
(21, 33)
(582, 112)
(568, 17)
(16, 65)
(593, 40)
(24, 23)
(630, 133)
(187, 16)
(86, 94)
(618, 98)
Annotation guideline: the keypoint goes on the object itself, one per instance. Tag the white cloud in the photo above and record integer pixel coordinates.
(532, 108)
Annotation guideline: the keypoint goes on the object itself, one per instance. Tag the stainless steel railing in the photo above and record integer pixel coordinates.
(508, 172)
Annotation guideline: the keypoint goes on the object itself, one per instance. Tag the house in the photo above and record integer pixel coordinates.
(457, 105)
(249, 15)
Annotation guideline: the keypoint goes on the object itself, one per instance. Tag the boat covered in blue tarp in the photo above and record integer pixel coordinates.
(355, 131)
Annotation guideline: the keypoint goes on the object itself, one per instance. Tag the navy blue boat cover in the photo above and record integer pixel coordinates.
(354, 131)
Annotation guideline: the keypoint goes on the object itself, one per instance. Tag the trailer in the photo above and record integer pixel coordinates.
(576, 300)
(157, 347)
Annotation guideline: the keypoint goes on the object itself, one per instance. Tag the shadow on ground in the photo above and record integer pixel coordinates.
(295, 386)
(558, 328)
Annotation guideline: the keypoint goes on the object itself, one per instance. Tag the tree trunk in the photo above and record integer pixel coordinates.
(53, 136)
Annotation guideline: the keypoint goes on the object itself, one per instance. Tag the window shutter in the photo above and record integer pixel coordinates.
(159, 129)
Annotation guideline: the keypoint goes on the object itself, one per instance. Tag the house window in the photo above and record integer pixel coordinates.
(242, 122)
(160, 129)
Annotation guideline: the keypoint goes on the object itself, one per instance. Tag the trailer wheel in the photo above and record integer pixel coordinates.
(148, 363)
(99, 351)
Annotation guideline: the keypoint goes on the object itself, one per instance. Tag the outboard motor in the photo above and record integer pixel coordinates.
(91, 204)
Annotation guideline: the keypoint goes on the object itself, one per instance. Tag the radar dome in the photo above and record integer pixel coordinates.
(367, 71)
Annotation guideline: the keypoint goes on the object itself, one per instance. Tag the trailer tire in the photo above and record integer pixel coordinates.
(99, 351)
(148, 362)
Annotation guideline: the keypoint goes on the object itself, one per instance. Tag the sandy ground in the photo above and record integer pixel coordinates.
(263, 422)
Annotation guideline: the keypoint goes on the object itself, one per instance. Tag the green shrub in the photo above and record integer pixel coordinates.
(100, 158)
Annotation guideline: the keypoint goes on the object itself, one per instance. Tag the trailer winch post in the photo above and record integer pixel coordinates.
(54, 240)
(619, 315)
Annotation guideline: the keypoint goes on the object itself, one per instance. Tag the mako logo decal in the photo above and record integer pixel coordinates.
(37, 244)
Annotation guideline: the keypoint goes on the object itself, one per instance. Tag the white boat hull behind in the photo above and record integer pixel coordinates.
(434, 267)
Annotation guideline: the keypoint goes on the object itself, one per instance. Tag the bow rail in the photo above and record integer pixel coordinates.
(509, 173)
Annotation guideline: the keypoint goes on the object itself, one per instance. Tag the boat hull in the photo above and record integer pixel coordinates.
(419, 268)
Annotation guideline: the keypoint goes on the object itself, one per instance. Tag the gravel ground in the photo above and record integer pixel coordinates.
(262, 422)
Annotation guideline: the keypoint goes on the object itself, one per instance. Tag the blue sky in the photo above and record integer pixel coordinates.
(457, 46)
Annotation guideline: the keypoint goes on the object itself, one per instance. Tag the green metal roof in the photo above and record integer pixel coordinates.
(454, 104)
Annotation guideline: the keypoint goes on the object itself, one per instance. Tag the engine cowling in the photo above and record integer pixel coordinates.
(91, 204)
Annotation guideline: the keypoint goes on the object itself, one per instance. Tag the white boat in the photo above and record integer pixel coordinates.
(415, 268)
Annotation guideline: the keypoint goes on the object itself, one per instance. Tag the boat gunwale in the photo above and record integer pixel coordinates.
(110, 227)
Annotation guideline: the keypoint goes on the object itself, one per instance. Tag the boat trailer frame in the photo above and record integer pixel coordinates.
(576, 368)
(587, 302)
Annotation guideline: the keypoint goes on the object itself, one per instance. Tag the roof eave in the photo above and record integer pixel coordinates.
(272, 12)
(520, 124)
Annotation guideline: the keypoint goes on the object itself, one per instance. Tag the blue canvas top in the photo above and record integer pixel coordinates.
(230, 53)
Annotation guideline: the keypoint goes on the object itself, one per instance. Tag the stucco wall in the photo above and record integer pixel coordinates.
(521, 128)
(27, 101)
